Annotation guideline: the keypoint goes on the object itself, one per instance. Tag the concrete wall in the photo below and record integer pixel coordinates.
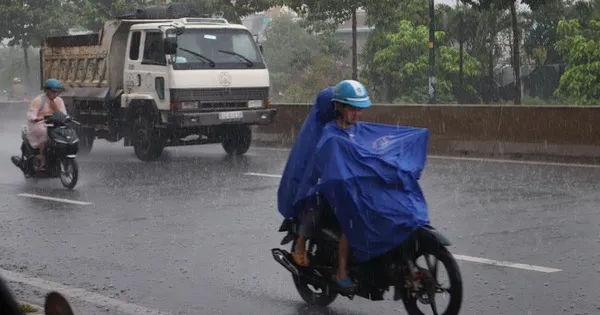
(565, 133)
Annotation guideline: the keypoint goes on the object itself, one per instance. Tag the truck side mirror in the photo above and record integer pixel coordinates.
(170, 45)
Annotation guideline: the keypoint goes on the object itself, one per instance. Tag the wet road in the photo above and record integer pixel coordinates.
(191, 234)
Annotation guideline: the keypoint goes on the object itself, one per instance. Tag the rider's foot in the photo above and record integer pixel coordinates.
(300, 258)
(345, 284)
(42, 167)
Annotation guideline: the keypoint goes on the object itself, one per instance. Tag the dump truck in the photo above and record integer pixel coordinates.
(157, 83)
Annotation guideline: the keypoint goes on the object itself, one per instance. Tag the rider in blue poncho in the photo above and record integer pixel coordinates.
(365, 174)
(341, 106)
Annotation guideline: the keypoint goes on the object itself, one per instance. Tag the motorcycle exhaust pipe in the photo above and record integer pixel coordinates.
(281, 256)
(310, 275)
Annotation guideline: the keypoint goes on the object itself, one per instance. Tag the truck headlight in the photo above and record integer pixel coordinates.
(255, 104)
(189, 105)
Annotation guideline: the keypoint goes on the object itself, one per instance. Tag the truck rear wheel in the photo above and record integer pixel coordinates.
(237, 140)
(147, 143)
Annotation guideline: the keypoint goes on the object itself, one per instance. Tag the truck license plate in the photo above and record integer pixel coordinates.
(231, 115)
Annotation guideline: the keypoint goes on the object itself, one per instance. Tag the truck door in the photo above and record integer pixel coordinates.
(146, 70)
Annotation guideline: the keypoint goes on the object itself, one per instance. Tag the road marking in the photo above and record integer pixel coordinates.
(463, 257)
(263, 175)
(474, 159)
(506, 264)
(75, 202)
(79, 294)
(272, 149)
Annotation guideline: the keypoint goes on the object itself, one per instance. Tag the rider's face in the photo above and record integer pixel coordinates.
(52, 94)
(351, 114)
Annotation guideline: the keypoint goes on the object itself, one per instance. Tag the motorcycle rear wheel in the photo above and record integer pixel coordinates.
(322, 299)
(456, 286)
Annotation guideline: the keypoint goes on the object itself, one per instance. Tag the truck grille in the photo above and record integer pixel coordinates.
(220, 95)
(223, 106)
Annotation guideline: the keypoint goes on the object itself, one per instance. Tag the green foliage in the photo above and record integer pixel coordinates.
(385, 21)
(323, 15)
(323, 73)
(297, 59)
(536, 101)
(26, 308)
(13, 62)
(231, 12)
(91, 14)
(540, 31)
(27, 22)
(460, 25)
(402, 60)
(580, 48)
(385, 14)
(502, 4)
(304, 57)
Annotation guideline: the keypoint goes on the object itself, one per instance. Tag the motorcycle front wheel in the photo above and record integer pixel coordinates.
(69, 173)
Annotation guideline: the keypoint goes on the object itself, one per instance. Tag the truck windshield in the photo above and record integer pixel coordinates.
(217, 48)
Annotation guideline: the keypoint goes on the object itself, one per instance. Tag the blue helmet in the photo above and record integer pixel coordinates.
(52, 84)
(353, 93)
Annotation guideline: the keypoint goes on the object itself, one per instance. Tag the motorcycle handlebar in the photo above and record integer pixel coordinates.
(48, 119)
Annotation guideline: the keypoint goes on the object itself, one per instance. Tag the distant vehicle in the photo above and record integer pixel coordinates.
(154, 82)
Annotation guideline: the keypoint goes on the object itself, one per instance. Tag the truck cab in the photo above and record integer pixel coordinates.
(156, 82)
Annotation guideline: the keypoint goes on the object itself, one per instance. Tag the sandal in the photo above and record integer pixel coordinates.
(301, 259)
(345, 284)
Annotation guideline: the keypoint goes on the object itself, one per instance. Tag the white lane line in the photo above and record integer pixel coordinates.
(506, 264)
(474, 159)
(467, 258)
(79, 294)
(272, 149)
(75, 202)
(263, 175)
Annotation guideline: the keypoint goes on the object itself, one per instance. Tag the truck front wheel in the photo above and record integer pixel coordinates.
(86, 141)
(237, 140)
(147, 143)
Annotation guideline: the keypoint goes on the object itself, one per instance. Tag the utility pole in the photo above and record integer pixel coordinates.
(460, 54)
(431, 46)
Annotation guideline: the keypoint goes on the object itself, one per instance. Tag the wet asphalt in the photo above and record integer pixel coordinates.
(192, 233)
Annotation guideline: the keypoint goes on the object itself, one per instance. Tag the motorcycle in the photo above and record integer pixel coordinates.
(63, 144)
(398, 268)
